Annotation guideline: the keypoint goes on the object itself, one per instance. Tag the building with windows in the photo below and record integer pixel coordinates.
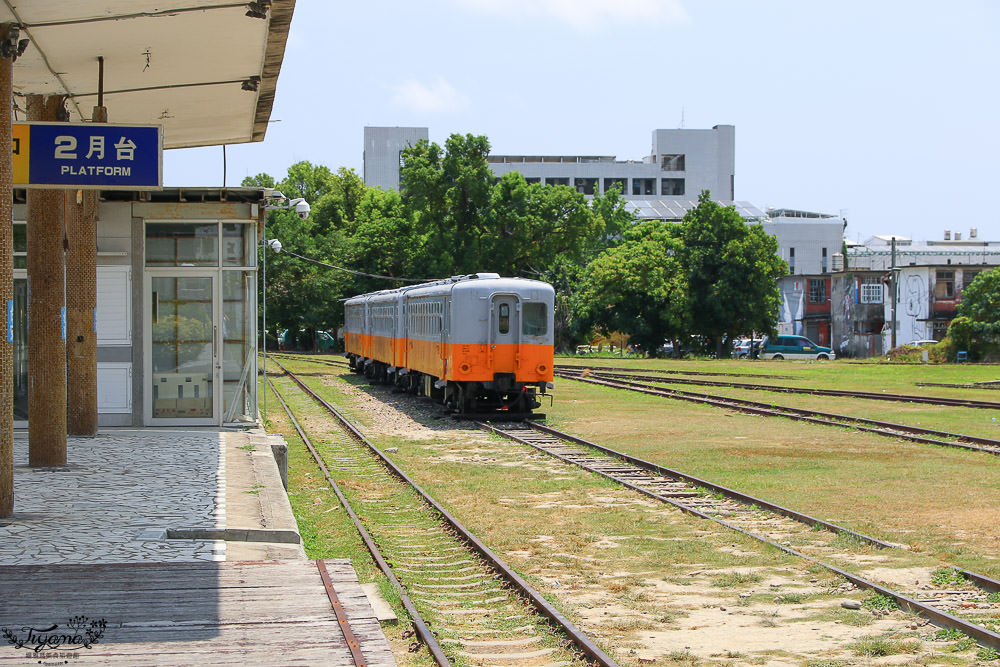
(176, 315)
(383, 154)
(811, 243)
(681, 164)
(931, 277)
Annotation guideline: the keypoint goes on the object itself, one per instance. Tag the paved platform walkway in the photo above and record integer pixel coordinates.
(126, 492)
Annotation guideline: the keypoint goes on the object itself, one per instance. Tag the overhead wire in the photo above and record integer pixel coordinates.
(357, 273)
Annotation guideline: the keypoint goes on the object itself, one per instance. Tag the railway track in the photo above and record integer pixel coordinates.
(575, 367)
(774, 525)
(987, 384)
(875, 396)
(889, 429)
(481, 610)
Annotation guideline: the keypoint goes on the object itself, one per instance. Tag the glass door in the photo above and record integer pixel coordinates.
(182, 349)
(20, 352)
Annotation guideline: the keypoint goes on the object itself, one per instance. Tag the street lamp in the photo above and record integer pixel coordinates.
(275, 245)
(274, 201)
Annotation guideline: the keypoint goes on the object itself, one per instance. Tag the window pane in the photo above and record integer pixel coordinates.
(234, 244)
(20, 238)
(504, 318)
(534, 319)
(177, 244)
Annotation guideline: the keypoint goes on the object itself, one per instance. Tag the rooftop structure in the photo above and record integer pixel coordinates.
(675, 209)
(682, 164)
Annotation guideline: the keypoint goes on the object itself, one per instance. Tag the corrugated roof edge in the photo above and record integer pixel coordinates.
(274, 54)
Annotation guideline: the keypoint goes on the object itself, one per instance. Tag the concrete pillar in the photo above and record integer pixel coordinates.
(46, 302)
(81, 306)
(6, 287)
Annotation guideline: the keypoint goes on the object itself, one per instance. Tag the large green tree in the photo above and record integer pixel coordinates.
(731, 269)
(300, 294)
(448, 193)
(977, 327)
(638, 287)
(529, 225)
(466, 220)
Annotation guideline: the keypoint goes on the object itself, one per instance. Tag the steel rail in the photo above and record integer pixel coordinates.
(668, 371)
(888, 429)
(585, 643)
(420, 626)
(937, 616)
(980, 580)
(899, 398)
(992, 385)
(738, 496)
(340, 613)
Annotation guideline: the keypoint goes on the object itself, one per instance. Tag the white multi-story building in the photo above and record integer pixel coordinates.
(383, 154)
(682, 164)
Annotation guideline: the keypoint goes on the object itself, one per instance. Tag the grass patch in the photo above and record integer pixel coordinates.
(949, 635)
(948, 576)
(732, 579)
(879, 601)
(878, 646)
(988, 653)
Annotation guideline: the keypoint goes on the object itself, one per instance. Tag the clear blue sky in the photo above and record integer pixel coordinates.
(885, 110)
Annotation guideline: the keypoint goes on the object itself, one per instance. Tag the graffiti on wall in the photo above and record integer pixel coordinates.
(845, 332)
(915, 302)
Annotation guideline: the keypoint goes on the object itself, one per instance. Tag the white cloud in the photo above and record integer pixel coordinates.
(586, 15)
(439, 96)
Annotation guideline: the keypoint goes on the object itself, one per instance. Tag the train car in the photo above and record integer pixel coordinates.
(478, 343)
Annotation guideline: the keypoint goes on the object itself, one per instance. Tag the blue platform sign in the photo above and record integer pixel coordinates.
(88, 156)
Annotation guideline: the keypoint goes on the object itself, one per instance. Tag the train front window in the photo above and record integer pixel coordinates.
(534, 319)
(504, 318)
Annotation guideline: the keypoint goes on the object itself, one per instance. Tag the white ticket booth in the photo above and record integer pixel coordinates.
(176, 308)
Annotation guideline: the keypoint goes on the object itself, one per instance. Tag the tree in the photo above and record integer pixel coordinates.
(638, 287)
(610, 207)
(301, 295)
(529, 225)
(448, 193)
(382, 241)
(977, 327)
(732, 270)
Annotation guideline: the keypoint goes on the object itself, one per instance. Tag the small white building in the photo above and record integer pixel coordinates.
(176, 318)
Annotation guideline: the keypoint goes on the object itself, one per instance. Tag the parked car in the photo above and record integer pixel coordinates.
(922, 343)
(744, 348)
(794, 347)
(325, 342)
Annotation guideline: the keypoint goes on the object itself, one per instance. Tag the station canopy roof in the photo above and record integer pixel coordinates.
(205, 70)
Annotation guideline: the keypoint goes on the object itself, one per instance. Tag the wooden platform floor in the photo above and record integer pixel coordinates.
(225, 613)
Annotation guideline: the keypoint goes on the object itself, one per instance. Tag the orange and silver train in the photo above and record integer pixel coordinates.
(478, 343)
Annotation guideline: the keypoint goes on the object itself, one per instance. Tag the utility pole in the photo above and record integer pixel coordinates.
(81, 296)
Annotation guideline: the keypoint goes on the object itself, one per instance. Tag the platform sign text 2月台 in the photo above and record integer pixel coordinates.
(88, 155)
